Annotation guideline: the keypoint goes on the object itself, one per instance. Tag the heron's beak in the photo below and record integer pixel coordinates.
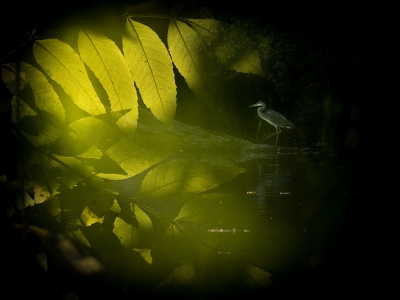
(253, 105)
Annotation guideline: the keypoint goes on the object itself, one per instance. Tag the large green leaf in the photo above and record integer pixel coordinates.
(204, 209)
(64, 66)
(46, 98)
(186, 176)
(151, 68)
(106, 61)
(232, 46)
(136, 156)
(191, 57)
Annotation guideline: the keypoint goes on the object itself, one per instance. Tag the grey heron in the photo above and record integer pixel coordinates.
(272, 117)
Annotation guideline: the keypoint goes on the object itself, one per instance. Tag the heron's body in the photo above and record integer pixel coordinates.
(272, 117)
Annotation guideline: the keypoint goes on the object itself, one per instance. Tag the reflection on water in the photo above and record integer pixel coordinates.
(301, 199)
(296, 206)
(266, 230)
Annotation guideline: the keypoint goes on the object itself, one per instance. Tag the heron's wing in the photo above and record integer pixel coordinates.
(277, 119)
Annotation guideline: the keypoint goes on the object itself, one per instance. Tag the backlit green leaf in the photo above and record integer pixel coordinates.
(81, 238)
(34, 127)
(106, 61)
(133, 236)
(93, 152)
(115, 207)
(88, 217)
(202, 209)
(46, 98)
(89, 129)
(64, 66)
(146, 254)
(189, 54)
(181, 176)
(151, 68)
(136, 156)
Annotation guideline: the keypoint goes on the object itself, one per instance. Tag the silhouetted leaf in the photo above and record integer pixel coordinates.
(71, 175)
(20, 109)
(107, 165)
(22, 190)
(133, 266)
(38, 132)
(53, 206)
(232, 46)
(66, 145)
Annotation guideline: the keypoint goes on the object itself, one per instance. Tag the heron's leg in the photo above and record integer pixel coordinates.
(277, 134)
(278, 131)
(271, 134)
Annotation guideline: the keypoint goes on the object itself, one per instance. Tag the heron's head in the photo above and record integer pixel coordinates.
(258, 104)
